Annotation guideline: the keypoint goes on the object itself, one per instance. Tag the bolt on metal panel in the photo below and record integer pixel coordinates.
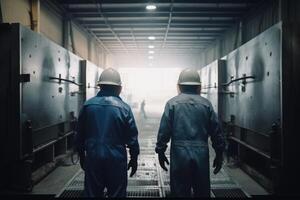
(256, 101)
(92, 74)
(210, 89)
(53, 94)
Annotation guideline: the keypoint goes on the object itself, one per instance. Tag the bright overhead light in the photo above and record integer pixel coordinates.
(151, 47)
(151, 37)
(151, 52)
(151, 7)
(150, 57)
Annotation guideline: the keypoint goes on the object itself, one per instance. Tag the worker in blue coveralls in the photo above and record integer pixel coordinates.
(106, 126)
(188, 120)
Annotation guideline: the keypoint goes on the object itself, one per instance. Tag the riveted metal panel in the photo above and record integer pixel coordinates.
(92, 75)
(210, 78)
(48, 102)
(229, 193)
(255, 102)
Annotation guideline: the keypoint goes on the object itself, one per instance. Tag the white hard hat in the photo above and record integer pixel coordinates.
(189, 77)
(110, 76)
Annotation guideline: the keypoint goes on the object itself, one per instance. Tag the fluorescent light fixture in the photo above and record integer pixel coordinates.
(151, 47)
(151, 7)
(151, 52)
(151, 37)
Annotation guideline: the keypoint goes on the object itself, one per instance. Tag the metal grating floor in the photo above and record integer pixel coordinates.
(71, 194)
(150, 180)
(229, 193)
(154, 192)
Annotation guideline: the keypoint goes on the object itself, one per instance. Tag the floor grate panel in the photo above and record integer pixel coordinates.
(229, 193)
(71, 194)
(143, 193)
(140, 182)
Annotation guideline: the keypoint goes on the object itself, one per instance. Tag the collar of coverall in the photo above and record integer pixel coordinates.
(102, 93)
(187, 92)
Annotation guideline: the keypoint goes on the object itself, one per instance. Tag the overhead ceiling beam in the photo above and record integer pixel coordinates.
(203, 31)
(157, 15)
(159, 26)
(159, 10)
(158, 32)
(129, 38)
(161, 3)
(162, 22)
(133, 37)
(170, 39)
(124, 25)
(108, 25)
(64, 10)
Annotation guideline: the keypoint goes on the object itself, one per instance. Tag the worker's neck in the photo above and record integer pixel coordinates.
(190, 92)
(107, 93)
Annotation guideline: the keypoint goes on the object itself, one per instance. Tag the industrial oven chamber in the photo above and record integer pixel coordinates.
(211, 77)
(42, 91)
(245, 90)
(91, 74)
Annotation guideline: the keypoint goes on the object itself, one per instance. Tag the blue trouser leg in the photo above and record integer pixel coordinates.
(180, 174)
(189, 169)
(110, 174)
(200, 168)
(116, 172)
(94, 182)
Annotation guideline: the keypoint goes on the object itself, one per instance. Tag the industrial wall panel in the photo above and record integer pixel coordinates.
(256, 99)
(253, 23)
(92, 75)
(44, 87)
(46, 99)
(204, 80)
(210, 77)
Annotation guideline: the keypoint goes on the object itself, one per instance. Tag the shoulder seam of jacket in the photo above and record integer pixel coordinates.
(97, 104)
(195, 103)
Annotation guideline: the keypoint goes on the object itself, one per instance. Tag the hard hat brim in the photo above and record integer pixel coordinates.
(189, 83)
(108, 83)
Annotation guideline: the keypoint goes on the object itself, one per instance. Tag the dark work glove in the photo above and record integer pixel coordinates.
(133, 165)
(218, 162)
(162, 159)
(82, 161)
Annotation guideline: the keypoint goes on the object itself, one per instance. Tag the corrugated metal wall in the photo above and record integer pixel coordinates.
(51, 26)
(260, 19)
(254, 22)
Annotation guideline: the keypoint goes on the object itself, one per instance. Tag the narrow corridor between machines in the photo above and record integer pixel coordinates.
(150, 180)
(76, 73)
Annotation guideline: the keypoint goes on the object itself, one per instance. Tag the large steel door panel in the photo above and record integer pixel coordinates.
(46, 99)
(210, 83)
(92, 75)
(256, 101)
(203, 72)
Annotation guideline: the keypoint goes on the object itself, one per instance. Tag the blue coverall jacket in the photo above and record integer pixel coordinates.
(106, 126)
(189, 120)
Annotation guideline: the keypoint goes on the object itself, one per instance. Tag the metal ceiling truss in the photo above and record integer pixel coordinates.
(124, 25)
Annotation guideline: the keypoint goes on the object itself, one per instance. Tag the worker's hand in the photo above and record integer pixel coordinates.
(162, 159)
(218, 163)
(133, 165)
